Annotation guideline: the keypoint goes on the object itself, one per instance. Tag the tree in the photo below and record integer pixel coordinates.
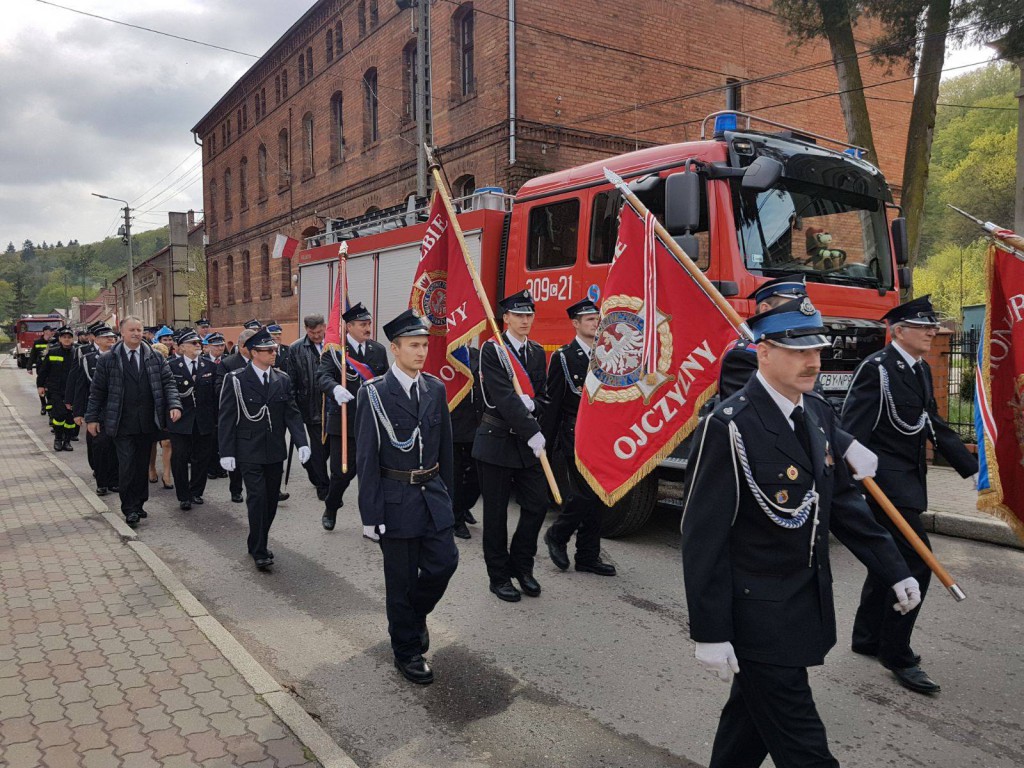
(19, 303)
(28, 251)
(941, 277)
(11, 248)
(196, 282)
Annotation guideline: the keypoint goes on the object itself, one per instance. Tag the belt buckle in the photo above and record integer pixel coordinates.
(415, 476)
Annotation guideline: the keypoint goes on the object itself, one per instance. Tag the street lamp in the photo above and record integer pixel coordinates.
(128, 240)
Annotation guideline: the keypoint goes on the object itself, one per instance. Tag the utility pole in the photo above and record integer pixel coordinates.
(127, 234)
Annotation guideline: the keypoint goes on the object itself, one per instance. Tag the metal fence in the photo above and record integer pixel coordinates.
(963, 352)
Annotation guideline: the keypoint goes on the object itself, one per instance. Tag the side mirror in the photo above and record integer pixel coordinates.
(764, 173)
(906, 280)
(682, 203)
(900, 242)
(690, 245)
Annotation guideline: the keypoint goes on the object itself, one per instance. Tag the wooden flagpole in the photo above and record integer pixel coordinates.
(442, 190)
(343, 276)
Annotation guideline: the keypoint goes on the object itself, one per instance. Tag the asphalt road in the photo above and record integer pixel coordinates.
(594, 672)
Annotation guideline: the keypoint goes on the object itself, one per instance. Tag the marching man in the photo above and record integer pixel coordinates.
(404, 463)
(756, 551)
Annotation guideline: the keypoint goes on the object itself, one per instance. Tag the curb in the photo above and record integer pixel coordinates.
(309, 733)
(990, 531)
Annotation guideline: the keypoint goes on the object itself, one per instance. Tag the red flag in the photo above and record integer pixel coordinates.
(655, 362)
(444, 294)
(999, 395)
(335, 325)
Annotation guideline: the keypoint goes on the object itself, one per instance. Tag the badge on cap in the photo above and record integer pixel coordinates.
(806, 307)
(781, 497)
(792, 472)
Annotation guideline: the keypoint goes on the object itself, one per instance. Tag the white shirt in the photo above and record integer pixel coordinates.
(911, 360)
(586, 347)
(785, 405)
(405, 379)
(356, 345)
(260, 372)
(517, 345)
(190, 364)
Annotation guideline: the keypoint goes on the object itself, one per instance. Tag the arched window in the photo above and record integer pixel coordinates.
(246, 278)
(309, 63)
(261, 170)
(302, 69)
(229, 278)
(264, 272)
(283, 160)
(337, 128)
(463, 35)
(227, 193)
(286, 277)
(211, 205)
(243, 184)
(371, 129)
(330, 44)
(361, 17)
(284, 83)
(464, 186)
(339, 40)
(410, 84)
(277, 89)
(307, 145)
(214, 284)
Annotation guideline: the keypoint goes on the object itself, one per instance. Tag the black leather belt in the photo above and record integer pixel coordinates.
(411, 476)
(494, 421)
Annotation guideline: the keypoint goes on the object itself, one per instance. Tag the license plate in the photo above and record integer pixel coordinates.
(832, 382)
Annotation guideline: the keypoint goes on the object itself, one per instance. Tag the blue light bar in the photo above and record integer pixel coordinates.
(723, 123)
(855, 152)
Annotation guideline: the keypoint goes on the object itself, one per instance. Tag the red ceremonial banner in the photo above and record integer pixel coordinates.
(655, 362)
(1000, 392)
(444, 294)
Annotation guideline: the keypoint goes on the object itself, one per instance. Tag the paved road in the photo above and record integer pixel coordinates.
(595, 672)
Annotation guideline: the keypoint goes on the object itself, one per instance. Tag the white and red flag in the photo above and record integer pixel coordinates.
(284, 246)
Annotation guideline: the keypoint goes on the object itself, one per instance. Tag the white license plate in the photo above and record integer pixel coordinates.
(831, 382)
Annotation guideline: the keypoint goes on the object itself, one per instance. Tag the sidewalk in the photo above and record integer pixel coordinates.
(952, 511)
(101, 663)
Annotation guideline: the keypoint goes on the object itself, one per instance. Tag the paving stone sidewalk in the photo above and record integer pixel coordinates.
(99, 664)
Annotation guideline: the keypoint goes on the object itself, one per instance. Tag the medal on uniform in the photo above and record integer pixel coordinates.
(781, 497)
(792, 473)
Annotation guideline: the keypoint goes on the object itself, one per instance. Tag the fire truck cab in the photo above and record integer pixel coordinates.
(27, 328)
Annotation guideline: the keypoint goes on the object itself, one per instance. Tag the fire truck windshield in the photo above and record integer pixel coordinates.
(830, 235)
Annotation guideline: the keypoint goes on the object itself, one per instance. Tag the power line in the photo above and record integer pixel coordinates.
(187, 158)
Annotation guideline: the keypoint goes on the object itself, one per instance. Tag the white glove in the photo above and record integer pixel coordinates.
(370, 531)
(342, 395)
(528, 402)
(863, 462)
(304, 454)
(536, 443)
(720, 658)
(908, 593)
(974, 479)
(227, 463)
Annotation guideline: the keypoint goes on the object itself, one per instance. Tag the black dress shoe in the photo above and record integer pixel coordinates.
(264, 563)
(198, 501)
(505, 591)
(328, 521)
(185, 505)
(528, 584)
(462, 531)
(863, 651)
(321, 493)
(236, 497)
(131, 519)
(282, 496)
(42, 411)
(557, 552)
(915, 679)
(67, 444)
(102, 491)
(598, 567)
(469, 518)
(114, 489)
(270, 554)
(416, 670)
(74, 438)
(211, 475)
(143, 513)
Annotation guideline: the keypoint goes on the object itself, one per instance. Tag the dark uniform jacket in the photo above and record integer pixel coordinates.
(303, 362)
(199, 395)
(79, 379)
(53, 368)
(505, 424)
(283, 357)
(566, 374)
(328, 376)
(402, 508)
(466, 416)
(259, 441)
(106, 395)
(753, 582)
(38, 352)
(901, 457)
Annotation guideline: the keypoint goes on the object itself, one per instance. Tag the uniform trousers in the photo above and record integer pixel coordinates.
(133, 470)
(581, 515)
(102, 459)
(770, 711)
(496, 484)
(61, 419)
(416, 575)
(466, 480)
(235, 482)
(262, 488)
(340, 481)
(316, 467)
(877, 628)
(190, 461)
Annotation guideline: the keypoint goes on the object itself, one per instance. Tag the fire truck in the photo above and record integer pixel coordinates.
(747, 204)
(27, 328)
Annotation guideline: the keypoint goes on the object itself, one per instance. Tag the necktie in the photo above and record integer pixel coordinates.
(414, 396)
(132, 360)
(800, 428)
(191, 369)
(266, 382)
(921, 379)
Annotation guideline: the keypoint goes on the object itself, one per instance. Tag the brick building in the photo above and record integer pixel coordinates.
(324, 124)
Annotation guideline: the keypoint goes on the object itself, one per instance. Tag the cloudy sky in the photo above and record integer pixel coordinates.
(91, 106)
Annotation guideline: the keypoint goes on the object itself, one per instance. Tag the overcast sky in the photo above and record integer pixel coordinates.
(91, 106)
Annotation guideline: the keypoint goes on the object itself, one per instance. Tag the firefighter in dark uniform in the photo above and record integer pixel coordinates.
(100, 448)
(38, 352)
(507, 450)
(51, 381)
(891, 408)
(583, 510)
(257, 408)
(276, 332)
(236, 361)
(192, 435)
(756, 547)
(465, 422)
(340, 387)
(213, 351)
(405, 473)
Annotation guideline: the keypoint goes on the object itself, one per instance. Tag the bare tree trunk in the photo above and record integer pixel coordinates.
(922, 121)
(838, 28)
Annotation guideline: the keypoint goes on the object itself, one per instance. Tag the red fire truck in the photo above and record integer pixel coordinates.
(747, 205)
(28, 328)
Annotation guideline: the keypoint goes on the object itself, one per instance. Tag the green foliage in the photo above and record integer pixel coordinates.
(940, 276)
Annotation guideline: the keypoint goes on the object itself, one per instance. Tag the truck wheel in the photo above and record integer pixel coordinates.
(633, 511)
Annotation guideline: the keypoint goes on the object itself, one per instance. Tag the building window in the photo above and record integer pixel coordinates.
(553, 235)
(337, 129)
(227, 194)
(211, 206)
(263, 103)
(213, 143)
(229, 278)
(733, 94)
(228, 124)
(284, 83)
(256, 106)
(371, 130)
(410, 84)
(339, 40)
(309, 63)
(463, 20)
(245, 119)
(302, 69)
(283, 160)
(214, 283)
(277, 89)
(264, 272)
(464, 187)
(224, 134)
(374, 16)
(246, 278)
(243, 184)
(286, 277)
(307, 145)
(330, 45)
(361, 15)
(261, 170)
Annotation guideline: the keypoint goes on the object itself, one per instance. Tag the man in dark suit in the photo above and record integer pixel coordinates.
(100, 448)
(891, 408)
(257, 406)
(405, 473)
(303, 362)
(582, 512)
(236, 361)
(131, 397)
(507, 449)
(339, 388)
(465, 422)
(276, 333)
(192, 435)
(213, 352)
(765, 490)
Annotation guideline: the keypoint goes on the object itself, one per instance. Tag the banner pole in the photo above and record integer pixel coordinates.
(442, 191)
(343, 276)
